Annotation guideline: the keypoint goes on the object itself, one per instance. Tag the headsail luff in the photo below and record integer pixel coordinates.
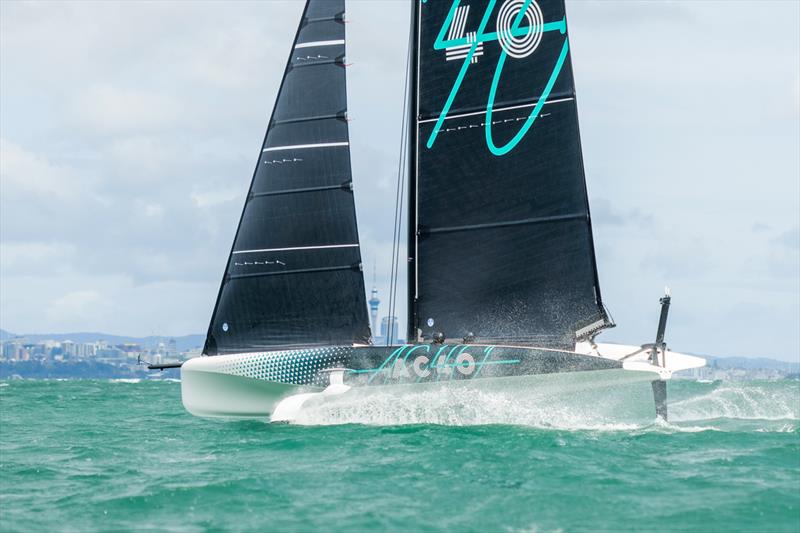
(294, 273)
(501, 240)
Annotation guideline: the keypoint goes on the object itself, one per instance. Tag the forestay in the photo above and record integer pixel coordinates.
(294, 274)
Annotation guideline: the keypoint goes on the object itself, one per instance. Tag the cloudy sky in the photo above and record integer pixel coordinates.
(129, 131)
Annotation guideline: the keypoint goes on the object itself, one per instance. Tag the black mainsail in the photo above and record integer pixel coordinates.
(293, 277)
(500, 234)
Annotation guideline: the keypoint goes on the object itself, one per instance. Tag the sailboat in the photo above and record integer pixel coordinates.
(503, 288)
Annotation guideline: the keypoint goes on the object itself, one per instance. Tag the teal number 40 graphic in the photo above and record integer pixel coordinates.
(515, 41)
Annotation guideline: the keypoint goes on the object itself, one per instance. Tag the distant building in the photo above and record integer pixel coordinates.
(388, 322)
(12, 351)
(130, 347)
(109, 354)
(69, 349)
(85, 350)
(37, 351)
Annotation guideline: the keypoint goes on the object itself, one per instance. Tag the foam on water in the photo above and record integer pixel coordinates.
(739, 400)
(692, 408)
(453, 406)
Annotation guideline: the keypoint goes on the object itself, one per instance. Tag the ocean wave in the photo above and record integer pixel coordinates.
(774, 401)
(125, 380)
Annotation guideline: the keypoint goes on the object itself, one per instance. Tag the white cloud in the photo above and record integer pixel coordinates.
(24, 171)
(153, 210)
(45, 259)
(141, 158)
(110, 304)
(75, 307)
(115, 110)
(214, 197)
(129, 132)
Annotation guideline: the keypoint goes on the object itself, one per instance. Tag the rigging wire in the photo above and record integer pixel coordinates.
(398, 202)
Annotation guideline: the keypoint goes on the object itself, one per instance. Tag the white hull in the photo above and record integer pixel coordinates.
(208, 392)
(220, 386)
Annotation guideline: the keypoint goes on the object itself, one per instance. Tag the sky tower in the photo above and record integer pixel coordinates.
(374, 302)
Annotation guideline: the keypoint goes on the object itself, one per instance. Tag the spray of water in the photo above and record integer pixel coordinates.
(695, 407)
(596, 409)
(741, 400)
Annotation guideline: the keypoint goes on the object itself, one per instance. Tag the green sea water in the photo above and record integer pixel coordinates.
(116, 455)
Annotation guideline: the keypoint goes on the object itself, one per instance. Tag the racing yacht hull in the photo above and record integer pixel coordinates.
(252, 385)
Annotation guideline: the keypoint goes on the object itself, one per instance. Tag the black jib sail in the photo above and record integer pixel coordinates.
(500, 240)
(294, 273)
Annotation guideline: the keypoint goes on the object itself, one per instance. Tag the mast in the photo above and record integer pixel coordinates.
(413, 323)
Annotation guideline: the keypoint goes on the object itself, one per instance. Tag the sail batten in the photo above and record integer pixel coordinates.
(296, 271)
(501, 240)
(340, 116)
(306, 146)
(346, 186)
(319, 43)
(503, 224)
(289, 249)
(522, 104)
(293, 276)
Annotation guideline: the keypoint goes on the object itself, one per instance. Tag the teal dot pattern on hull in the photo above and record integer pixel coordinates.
(296, 367)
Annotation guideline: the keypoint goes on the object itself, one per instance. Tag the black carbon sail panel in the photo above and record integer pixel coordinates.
(294, 274)
(520, 79)
(503, 244)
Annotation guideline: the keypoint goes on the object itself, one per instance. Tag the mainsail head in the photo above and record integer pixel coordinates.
(294, 274)
(501, 240)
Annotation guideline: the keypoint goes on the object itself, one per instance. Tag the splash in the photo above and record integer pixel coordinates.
(452, 406)
(776, 401)
(767, 407)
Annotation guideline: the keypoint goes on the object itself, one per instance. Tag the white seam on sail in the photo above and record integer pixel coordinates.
(555, 101)
(303, 146)
(296, 248)
(318, 43)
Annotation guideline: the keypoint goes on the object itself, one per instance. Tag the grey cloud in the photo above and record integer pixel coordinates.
(758, 227)
(604, 213)
(790, 239)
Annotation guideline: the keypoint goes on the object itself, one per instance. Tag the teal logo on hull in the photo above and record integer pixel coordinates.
(425, 362)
